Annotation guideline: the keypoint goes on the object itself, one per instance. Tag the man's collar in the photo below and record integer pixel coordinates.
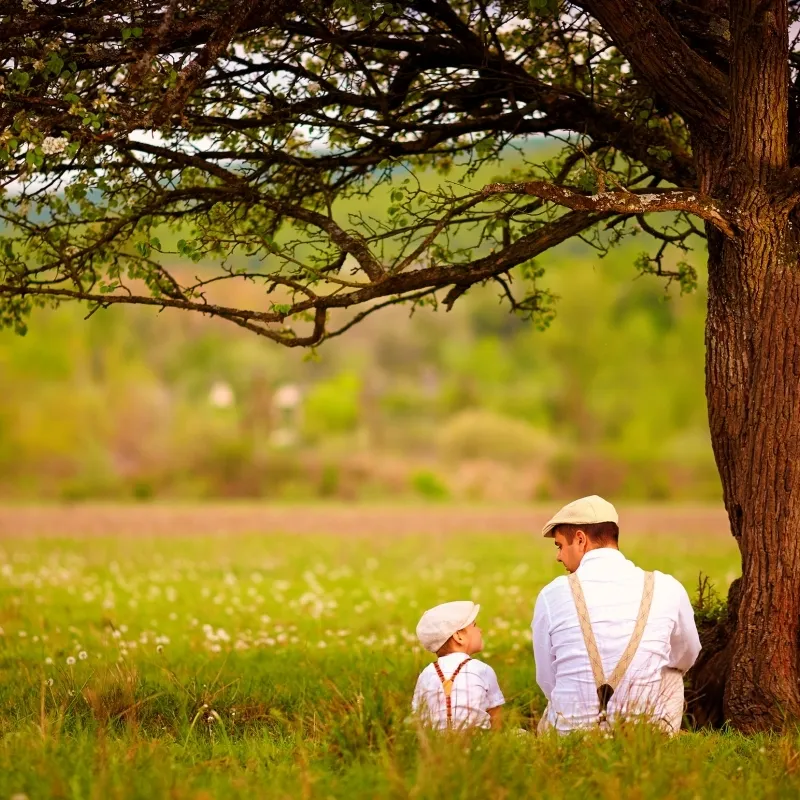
(601, 554)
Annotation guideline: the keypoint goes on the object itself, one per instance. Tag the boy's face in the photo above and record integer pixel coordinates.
(470, 638)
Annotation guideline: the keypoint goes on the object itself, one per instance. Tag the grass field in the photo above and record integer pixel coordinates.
(282, 665)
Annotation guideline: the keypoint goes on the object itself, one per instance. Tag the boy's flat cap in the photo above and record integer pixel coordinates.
(439, 623)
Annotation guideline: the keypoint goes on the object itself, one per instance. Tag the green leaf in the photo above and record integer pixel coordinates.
(20, 78)
(55, 64)
(126, 34)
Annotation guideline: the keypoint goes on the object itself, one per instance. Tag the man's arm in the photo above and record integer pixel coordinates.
(542, 651)
(684, 641)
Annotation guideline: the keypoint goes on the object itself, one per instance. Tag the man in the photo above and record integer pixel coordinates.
(609, 640)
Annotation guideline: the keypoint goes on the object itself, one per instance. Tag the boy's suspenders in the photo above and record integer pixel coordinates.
(607, 687)
(447, 686)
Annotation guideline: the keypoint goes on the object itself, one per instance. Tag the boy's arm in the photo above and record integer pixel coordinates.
(496, 717)
(417, 699)
(494, 699)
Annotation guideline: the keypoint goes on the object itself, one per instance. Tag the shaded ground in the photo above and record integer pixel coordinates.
(353, 520)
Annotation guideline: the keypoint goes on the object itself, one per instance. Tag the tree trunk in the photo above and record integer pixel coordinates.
(753, 375)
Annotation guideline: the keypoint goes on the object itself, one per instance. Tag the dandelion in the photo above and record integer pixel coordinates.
(83, 655)
(70, 660)
(49, 681)
(48, 661)
(160, 649)
(23, 634)
(322, 644)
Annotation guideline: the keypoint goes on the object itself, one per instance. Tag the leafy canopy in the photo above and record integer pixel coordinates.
(252, 136)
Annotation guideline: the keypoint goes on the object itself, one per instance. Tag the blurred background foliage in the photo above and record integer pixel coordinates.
(475, 404)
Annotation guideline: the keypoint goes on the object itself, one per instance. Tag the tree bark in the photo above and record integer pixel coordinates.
(753, 375)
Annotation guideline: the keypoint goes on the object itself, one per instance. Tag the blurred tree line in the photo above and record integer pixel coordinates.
(475, 404)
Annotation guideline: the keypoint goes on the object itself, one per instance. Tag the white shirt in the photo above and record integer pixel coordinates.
(475, 689)
(613, 588)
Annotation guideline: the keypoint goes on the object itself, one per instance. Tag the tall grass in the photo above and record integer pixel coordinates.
(282, 666)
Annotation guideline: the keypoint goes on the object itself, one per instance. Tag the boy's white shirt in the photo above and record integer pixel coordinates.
(613, 588)
(475, 690)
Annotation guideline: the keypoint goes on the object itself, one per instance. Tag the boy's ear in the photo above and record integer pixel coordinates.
(459, 636)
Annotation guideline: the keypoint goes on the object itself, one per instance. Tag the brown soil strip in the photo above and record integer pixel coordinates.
(370, 521)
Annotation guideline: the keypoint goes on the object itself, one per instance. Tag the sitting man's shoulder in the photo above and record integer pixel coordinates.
(555, 587)
(669, 581)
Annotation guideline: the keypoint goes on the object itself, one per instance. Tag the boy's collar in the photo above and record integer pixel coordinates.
(454, 655)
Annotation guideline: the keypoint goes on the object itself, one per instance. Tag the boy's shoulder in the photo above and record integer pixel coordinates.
(480, 667)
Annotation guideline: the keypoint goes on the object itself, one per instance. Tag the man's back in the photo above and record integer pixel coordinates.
(613, 587)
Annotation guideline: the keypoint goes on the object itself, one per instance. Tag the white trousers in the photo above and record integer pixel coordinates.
(671, 697)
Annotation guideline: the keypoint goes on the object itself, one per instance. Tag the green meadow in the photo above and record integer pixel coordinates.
(282, 665)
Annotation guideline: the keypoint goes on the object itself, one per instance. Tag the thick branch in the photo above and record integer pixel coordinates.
(406, 283)
(622, 202)
(693, 87)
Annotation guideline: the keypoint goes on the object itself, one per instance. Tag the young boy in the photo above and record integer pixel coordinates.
(456, 691)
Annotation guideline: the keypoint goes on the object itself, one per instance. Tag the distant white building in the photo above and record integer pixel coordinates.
(286, 402)
(221, 395)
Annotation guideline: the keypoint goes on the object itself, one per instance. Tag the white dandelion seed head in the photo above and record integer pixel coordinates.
(70, 660)
(48, 661)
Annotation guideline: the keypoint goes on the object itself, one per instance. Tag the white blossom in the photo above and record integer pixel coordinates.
(52, 145)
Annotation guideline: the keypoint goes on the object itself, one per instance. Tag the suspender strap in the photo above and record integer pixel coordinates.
(447, 686)
(607, 687)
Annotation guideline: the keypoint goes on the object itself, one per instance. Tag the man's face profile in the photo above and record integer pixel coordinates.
(571, 552)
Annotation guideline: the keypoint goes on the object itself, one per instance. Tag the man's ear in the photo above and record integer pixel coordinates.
(582, 538)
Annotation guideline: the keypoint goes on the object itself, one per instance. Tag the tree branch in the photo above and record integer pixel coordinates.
(690, 84)
(622, 202)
